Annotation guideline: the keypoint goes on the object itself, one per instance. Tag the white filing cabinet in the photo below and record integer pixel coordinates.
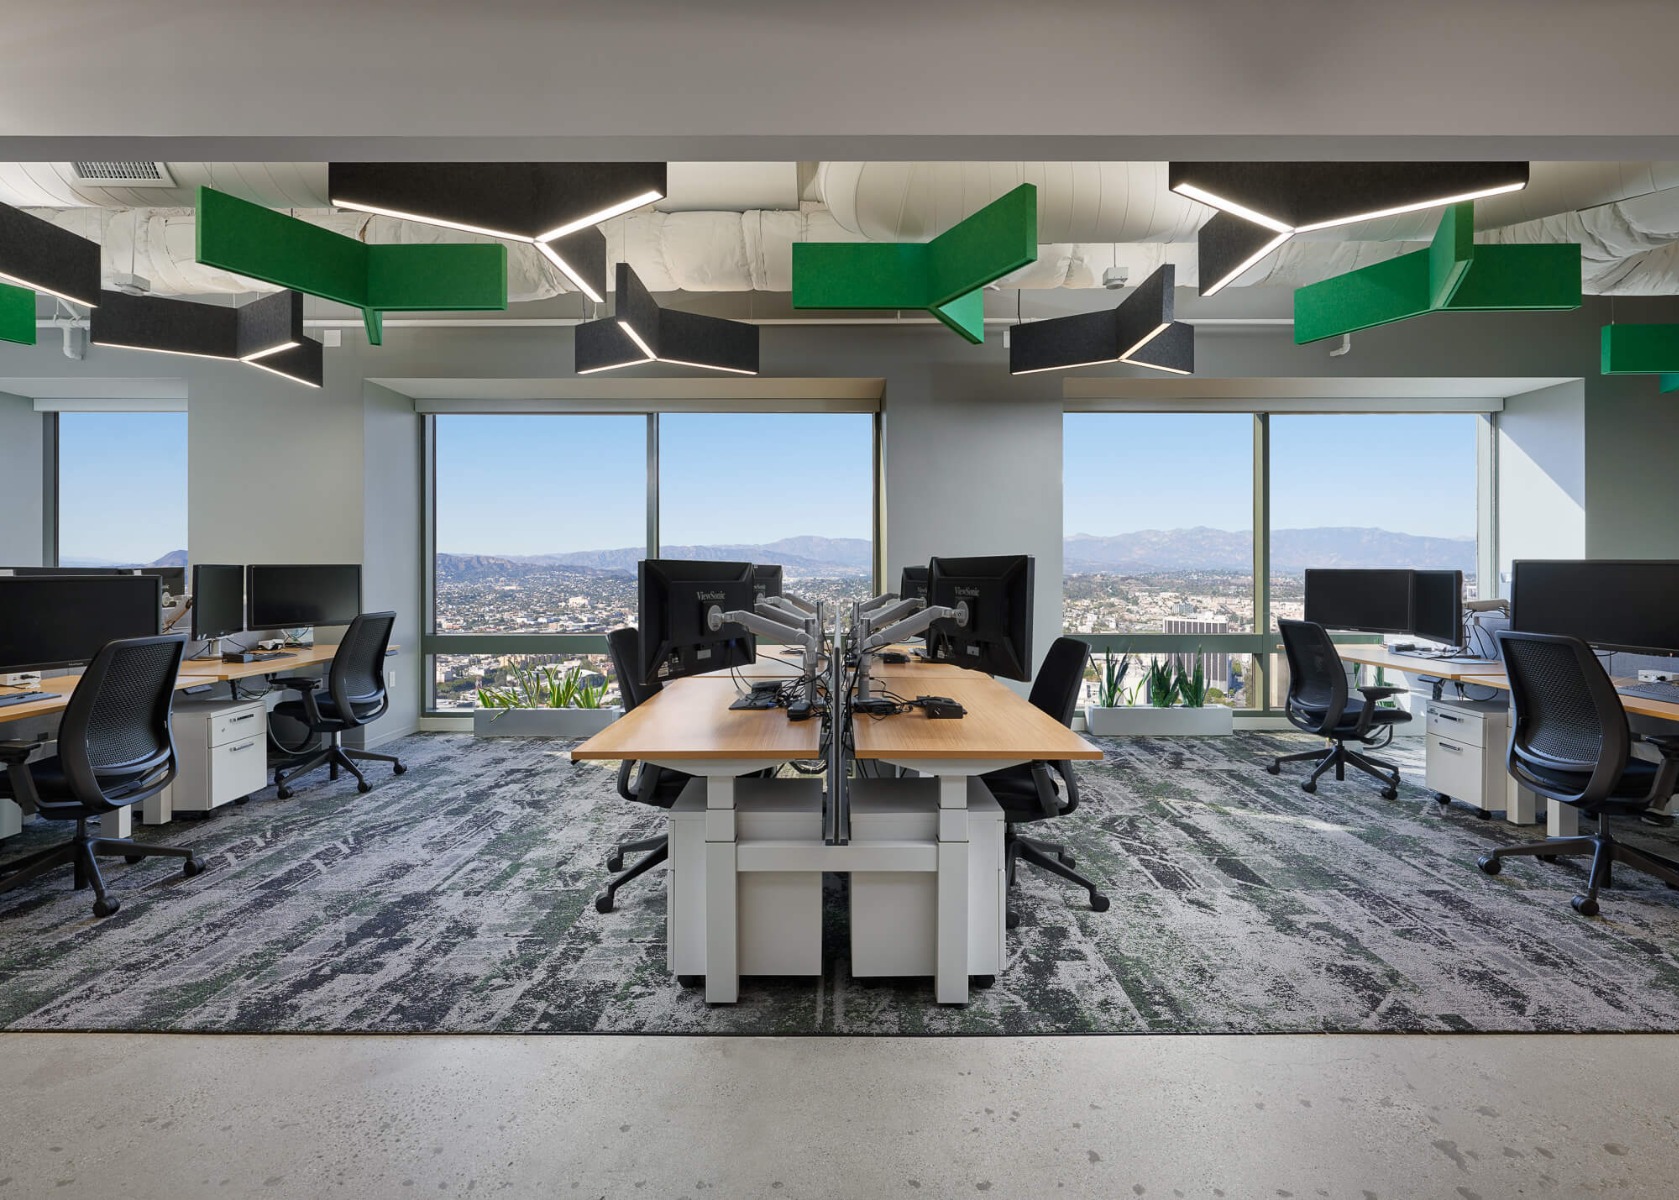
(1467, 744)
(779, 912)
(894, 914)
(222, 747)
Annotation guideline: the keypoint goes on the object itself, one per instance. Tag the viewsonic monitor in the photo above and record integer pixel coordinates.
(997, 591)
(1363, 601)
(766, 580)
(291, 597)
(1437, 606)
(1615, 604)
(674, 599)
(52, 622)
(912, 585)
(218, 600)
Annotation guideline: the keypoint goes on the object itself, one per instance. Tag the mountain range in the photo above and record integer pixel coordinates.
(175, 558)
(1197, 549)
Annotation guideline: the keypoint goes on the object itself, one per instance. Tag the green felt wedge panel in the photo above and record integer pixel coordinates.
(248, 239)
(1452, 275)
(1640, 350)
(17, 314)
(942, 277)
(1670, 383)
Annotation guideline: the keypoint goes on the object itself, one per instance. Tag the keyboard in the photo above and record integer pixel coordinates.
(7, 699)
(1651, 691)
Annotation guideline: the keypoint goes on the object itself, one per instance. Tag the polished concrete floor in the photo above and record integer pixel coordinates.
(1385, 1116)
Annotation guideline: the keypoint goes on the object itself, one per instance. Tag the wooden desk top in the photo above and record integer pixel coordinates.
(302, 657)
(1000, 726)
(61, 686)
(1661, 710)
(1411, 664)
(691, 719)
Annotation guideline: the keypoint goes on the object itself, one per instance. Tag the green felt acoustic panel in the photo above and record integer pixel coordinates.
(942, 277)
(1453, 275)
(1640, 350)
(17, 314)
(248, 239)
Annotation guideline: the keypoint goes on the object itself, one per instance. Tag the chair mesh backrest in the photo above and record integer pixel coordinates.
(1060, 678)
(1567, 714)
(624, 645)
(1317, 679)
(117, 720)
(358, 667)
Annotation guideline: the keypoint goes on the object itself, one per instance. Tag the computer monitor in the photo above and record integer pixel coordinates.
(218, 600)
(291, 597)
(174, 579)
(674, 599)
(997, 590)
(1364, 601)
(912, 584)
(1615, 604)
(1437, 606)
(49, 622)
(766, 580)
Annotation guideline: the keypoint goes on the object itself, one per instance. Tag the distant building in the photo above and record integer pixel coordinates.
(1217, 666)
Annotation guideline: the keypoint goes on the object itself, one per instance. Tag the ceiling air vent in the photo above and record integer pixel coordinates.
(124, 174)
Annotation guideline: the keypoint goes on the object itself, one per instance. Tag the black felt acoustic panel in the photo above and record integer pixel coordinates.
(1305, 195)
(1099, 337)
(696, 340)
(636, 309)
(1227, 246)
(1152, 304)
(40, 255)
(603, 346)
(640, 331)
(526, 201)
(157, 323)
(269, 323)
(304, 362)
(584, 256)
(1172, 350)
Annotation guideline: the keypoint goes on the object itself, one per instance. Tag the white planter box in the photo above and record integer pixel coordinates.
(1146, 721)
(542, 722)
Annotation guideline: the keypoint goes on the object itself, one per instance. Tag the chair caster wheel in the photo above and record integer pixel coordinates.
(1012, 920)
(1550, 858)
(690, 981)
(603, 902)
(1309, 787)
(1390, 793)
(131, 859)
(1098, 903)
(398, 769)
(192, 867)
(1585, 906)
(284, 793)
(106, 907)
(364, 787)
(1274, 769)
(1490, 864)
(615, 863)
(1442, 799)
(981, 981)
(1067, 860)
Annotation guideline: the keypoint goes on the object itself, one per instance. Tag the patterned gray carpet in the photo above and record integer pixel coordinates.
(459, 899)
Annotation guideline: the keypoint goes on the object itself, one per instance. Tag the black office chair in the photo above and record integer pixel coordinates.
(114, 750)
(1570, 743)
(1029, 792)
(643, 783)
(1318, 703)
(355, 696)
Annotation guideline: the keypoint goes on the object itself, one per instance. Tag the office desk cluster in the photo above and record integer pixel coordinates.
(924, 854)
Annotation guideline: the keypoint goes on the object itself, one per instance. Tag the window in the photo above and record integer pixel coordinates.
(818, 526)
(1336, 503)
(109, 513)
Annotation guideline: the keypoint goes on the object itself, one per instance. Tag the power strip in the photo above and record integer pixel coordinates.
(1658, 676)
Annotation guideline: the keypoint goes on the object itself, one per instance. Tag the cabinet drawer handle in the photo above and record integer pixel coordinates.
(241, 746)
(1448, 717)
(1449, 746)
(246, 717)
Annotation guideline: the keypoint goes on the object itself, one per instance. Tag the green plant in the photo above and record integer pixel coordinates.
(542, 685)
(1110, 679)
(1162, 683)
(1192, 685)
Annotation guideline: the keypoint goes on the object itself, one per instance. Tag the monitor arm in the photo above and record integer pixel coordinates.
(882, 617)
(880, 601)
(788, 600)
(911, 625)
(774, 625)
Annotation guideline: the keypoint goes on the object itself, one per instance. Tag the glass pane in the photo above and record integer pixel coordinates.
(1355, 490)
(540, 522)
(817, 522)
(110, 514)
(1158, 522)
(468, 681)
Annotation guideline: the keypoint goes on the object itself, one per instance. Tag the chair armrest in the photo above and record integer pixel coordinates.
(298, 683)
(1382, 692)
(1367, 715)
(1049, 800)
(19, 752)
(20, 782)
(1666, 743)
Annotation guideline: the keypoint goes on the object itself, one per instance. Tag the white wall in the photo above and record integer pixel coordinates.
(391, 552)
(20, 468)
(1542, 476)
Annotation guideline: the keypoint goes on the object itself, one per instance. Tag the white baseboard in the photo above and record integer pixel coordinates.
(445, 725)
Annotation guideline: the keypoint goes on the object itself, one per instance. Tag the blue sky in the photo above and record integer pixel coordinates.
(1408, 473)
(551, 484)
(122, 486)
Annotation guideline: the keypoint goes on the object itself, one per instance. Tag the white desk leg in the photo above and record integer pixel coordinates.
(950, 979)
(1521, 807)
(1561, 820)
(120, 823)
(722, 926)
